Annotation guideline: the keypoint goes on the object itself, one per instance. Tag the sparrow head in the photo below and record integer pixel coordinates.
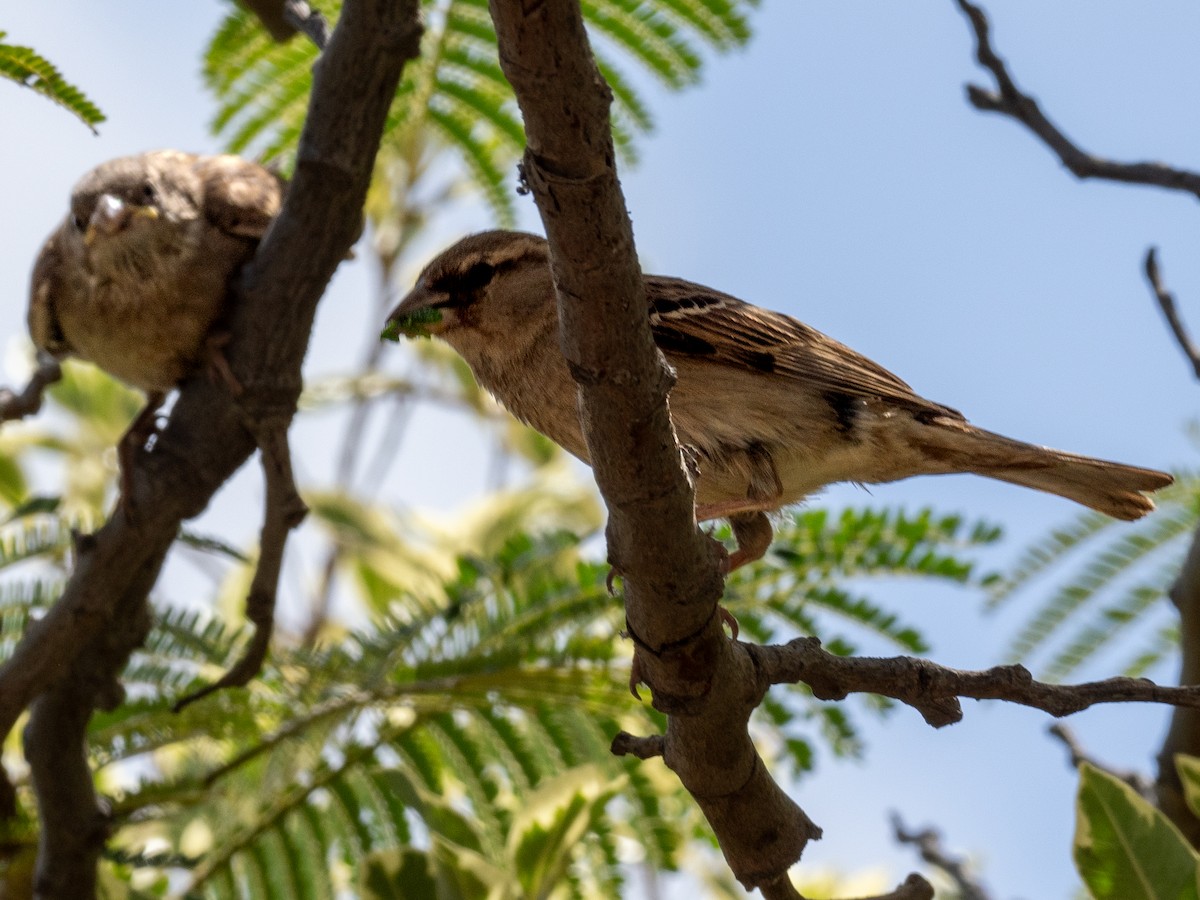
(488, 289)
(130, 207)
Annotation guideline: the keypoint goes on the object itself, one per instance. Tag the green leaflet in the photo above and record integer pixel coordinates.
(1125, 849)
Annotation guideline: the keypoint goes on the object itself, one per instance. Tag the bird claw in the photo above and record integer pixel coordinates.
(729, 619)
(217, 365)
(612, 575)
(635, 677)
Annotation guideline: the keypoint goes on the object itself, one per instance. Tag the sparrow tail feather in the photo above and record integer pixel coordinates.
(1112, 488)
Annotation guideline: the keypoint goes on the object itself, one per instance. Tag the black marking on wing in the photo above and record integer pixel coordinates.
(744, 336)
(672, 340)
(845, 408)
(764, 362)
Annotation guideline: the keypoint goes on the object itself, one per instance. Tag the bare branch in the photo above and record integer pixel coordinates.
(934, 690)
(1183, 736)
(626, 744)
(1010, 101)
(1166, 302)
(70, 659)
(29, 401)
(284, 510)
(929, 844)
(670, 569)
(1078, 755)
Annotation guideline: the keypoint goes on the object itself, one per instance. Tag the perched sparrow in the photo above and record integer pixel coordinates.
(771, 409)
(136, 276)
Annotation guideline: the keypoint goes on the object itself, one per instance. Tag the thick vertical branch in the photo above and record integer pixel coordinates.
(68, 663)
(671, 576)
(1184, 733)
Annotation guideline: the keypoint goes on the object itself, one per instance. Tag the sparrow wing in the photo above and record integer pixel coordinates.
(240, 197)
(698, 322)
(45, 289)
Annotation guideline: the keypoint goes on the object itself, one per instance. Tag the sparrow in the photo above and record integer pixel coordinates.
(768, 409)
(136, 276)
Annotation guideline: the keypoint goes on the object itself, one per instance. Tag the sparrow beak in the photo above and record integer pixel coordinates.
(112, 215)
(418, 315)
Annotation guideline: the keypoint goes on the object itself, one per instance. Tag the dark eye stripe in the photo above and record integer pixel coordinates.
(462, 283)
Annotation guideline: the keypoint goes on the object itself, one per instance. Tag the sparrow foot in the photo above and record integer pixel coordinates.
(217, 365)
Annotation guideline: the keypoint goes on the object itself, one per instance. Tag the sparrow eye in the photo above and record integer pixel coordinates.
(148, 193)
(77, 221)
(475, 277)
(461, 288)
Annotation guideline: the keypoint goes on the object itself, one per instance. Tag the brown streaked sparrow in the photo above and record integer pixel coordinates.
(135, 278)
(771, 409)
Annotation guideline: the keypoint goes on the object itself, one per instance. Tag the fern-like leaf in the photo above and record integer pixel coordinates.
(455, 93)
(28, 68)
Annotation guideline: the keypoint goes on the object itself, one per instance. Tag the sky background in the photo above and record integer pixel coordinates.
(832, 170)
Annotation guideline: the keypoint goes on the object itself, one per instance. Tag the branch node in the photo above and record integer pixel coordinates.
(626, 744)
(29, 401)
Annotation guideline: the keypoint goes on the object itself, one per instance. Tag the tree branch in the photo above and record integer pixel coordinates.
(929, 844)
(284, 511)
(1166, 302)
(69, 660)
(1078, 756)
(933, 690)
(1183, 736)
(29, 401)
(670, 569)
(1010, 101)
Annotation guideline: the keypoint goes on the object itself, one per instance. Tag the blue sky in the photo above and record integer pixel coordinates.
(832, 170)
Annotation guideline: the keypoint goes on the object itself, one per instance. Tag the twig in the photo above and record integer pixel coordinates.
(929, 844)
(29, 401)
(1078, 755)
(1166, 302)
(1009, 100)
(284, 510)
(626, 744)
(933, 690)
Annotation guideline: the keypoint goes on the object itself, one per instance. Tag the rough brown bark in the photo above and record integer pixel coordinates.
(670, 569)
(1184, 734)
(69, 662)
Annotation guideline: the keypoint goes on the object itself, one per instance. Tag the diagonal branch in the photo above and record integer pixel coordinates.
(284, 510)
(29, 401)
(1009, 100)
(68, 661)
(929, 844)
(670, 569)
(934, 690)
(1166, 302)
(1078, 756)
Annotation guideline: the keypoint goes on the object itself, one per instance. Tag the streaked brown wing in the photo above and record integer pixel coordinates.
(695, 321)
(45, 288)
(240, 197)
